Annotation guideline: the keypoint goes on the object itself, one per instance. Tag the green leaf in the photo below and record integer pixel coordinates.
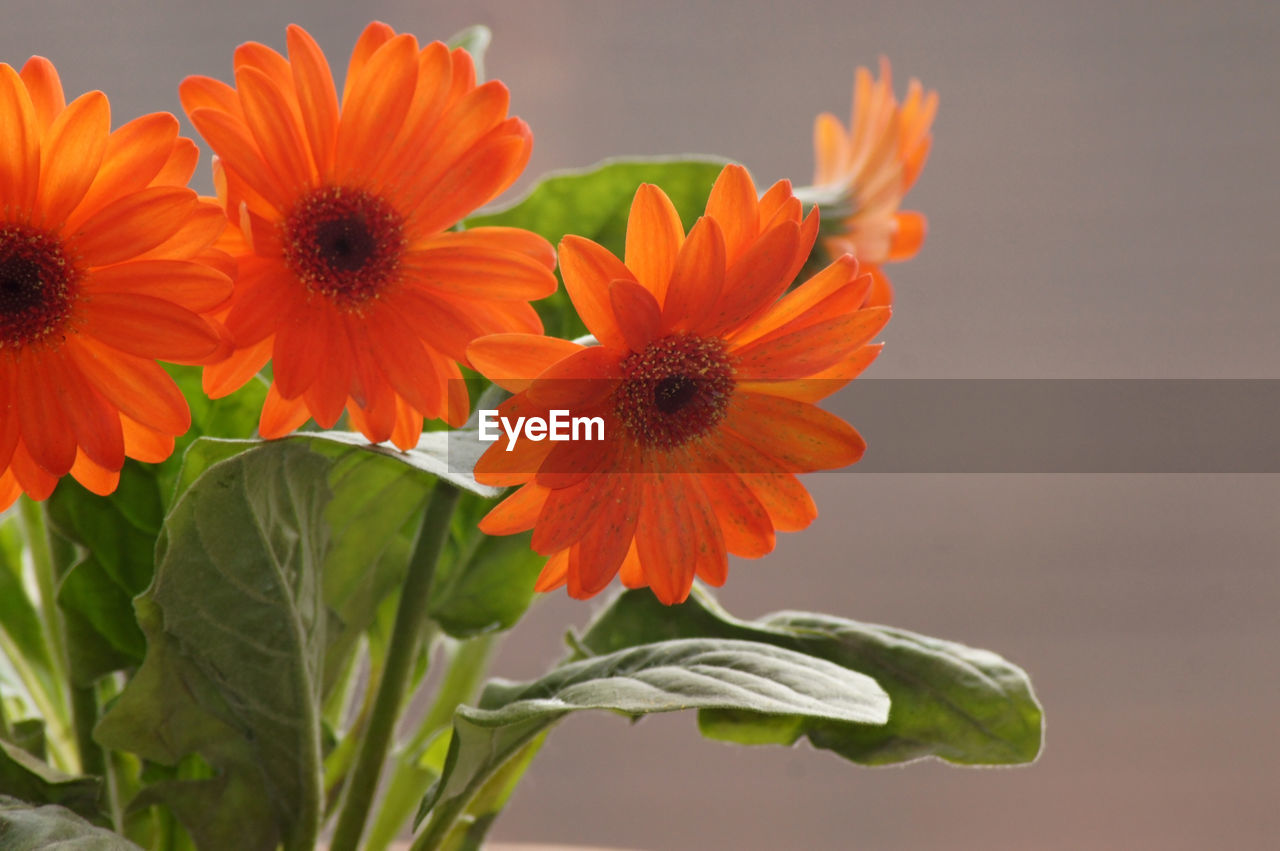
(27, 828)
(594, 203)
(24, 776)
(957, 703)
(235, 647)
(482, 583)
(116, 535)
(475, 40)
(22, 642)
(661, 677)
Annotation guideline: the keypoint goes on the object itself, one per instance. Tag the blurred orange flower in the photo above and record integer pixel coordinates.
(351, 280)
(704, 378)
(863, 174)
(106, 264)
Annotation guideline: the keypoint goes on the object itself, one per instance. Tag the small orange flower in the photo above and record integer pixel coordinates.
(351, 280)
(863, 174)
(704, 378)
(106, 264)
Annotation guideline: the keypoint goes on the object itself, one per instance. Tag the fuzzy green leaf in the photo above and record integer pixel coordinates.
(27, 828)
(662, 677)
(957, 703)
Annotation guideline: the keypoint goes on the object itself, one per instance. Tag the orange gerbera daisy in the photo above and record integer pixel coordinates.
(863, 174)
(106, 264)
(704, 379)
(351, 280)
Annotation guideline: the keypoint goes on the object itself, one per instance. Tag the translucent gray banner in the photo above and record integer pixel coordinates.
(1064, 425)
(1005, 426)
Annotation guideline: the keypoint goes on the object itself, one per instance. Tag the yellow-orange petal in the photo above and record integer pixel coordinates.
(377, 101)
(637, 313)
(732, 203)
(197, 287)
(697, 279)
(130, 226)
(554, 573)
(225, 377)
(373, 37)
(280, 416)
(19, 144)
(798, 437)
(756, 280)
(908, 235)
(806, 351)
(45, 427)
(274, 127)
(145, 444)
(76, 144)
(147, 326)
(476, 179)
(317, 99)
(45, 89)
(654, 237)
(135, 154)
(10, 490)
(480, 274)
(512, 361)
(140, 388)
(665, 538)
(517, 513)
(580, 380)
(94, 477)
(588, 270)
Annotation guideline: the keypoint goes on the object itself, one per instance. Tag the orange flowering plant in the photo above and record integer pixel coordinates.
(268, 456)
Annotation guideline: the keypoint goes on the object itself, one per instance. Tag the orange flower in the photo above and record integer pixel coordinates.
(704, 378)
(863, 174)
(351, 280)
(106, 264)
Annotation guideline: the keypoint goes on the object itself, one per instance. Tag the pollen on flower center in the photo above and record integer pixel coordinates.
(345, 244)
(37, 285)
(674, 391)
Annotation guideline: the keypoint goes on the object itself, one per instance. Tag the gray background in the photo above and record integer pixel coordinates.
(1101, 204)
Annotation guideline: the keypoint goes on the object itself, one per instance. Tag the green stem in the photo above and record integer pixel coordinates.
(406, 637)
(58, 715)
(33, 522)
(409, 780)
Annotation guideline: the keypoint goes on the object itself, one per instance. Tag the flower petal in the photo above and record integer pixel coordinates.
(512, 361)
(697, 280)
(195, 286)
(798, 437)
(636, 312)
(149, 327)
(139, 387)
(134, 224)
(732, 203)
(77, 142)
(19, 145)
(588, 270)
(654, 237)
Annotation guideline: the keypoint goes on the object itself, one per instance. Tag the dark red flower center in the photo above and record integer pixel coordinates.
(674, 391)
(343, 243)
(37, 285)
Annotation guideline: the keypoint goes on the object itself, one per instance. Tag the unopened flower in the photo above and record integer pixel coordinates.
(351, 280)
(106, 265)
(705, 377)
(863, 173)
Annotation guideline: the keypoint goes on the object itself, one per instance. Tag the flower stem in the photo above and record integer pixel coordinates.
(406, 636)
(409, 781)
